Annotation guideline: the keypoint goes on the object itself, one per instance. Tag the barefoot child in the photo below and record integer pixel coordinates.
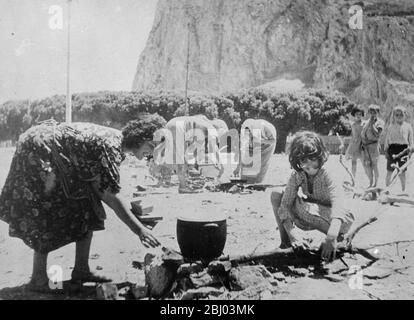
(307, 157)
(399, 137)
(354, 151)
(370, 136)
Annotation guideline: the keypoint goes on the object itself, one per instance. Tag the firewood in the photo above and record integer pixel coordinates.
(188, 268)
(350, 236)
(395, 199)
(290, 253)
(219, 267)
(172, 257)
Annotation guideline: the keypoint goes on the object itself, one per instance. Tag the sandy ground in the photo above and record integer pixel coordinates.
(251, 226)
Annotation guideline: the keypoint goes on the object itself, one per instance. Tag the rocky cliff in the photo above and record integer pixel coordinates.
(245, 43)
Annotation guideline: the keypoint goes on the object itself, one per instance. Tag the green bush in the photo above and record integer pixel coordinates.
(318, 110)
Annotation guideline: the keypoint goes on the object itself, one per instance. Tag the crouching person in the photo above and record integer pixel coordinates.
(330, 216)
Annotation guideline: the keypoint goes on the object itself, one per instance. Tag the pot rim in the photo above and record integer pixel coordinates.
(201, 220)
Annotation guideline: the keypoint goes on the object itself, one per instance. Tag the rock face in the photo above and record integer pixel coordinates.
(238, 44)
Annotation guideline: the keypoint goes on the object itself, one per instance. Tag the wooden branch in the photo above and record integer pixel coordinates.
(402, 153)
(290, 252)
(389, 244)
(399, 171)
(350, 236)
(386, 198)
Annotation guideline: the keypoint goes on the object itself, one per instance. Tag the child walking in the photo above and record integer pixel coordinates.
(354, 151)
(307, 157)
(398, 138)
(370, 136)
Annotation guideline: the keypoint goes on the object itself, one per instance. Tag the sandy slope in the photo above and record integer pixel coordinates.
(251, 226)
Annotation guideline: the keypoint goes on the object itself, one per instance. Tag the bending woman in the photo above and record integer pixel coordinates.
(59, 176)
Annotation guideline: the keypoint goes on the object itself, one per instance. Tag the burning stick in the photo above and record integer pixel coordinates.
(290, 252)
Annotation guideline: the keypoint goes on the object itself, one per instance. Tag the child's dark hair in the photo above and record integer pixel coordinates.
(138, 131)
(307, 145)
(357, 109)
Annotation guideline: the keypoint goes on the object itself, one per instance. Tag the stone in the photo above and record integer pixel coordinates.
(279, 276)
(107, 291)
(184, 284)
(219, 267)
(139, 292)
(234, 189)
(201, 293)
(158, 276)
(336, 266)
(262, 291)
(243, 277)
(203, 279)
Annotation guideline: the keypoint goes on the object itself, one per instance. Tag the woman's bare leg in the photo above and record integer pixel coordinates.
(368, 171)
(388, 178)
(181, 173)
(375, 171)
(276, 199)
(83, 248)
(354, 167)
(39, 274)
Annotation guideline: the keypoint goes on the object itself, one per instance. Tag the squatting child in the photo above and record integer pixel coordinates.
(307, 157)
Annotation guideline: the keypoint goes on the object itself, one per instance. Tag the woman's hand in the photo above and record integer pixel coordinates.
(148, 239)
(329, 248)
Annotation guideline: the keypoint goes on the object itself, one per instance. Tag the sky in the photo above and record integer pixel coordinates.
(107, 37)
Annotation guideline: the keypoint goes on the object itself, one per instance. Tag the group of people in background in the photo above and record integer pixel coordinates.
(365, 144)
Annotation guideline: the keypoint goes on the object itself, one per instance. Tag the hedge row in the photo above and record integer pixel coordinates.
(318, 110)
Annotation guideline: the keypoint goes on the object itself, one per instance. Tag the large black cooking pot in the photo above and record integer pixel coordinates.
(201, 238)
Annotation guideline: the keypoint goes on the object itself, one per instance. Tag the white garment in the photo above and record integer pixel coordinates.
(254, 168)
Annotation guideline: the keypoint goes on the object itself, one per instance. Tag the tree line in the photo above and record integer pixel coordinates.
(322, 111)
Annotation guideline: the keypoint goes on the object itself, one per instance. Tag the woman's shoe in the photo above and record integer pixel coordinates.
(87, 276)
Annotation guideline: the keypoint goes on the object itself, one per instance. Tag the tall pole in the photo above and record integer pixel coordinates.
(187, 68)
(68, 93)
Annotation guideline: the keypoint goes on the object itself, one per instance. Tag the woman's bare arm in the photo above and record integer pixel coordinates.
(120, 207)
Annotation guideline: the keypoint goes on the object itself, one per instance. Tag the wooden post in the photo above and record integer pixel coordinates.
(68, 93)
(187, 71)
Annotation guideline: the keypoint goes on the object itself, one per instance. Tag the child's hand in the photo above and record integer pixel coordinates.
(329, 248)
(297, 241)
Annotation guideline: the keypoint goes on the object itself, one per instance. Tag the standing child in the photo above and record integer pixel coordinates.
(354, 151)
(307, 157)
(370, 136)
(399, 137)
